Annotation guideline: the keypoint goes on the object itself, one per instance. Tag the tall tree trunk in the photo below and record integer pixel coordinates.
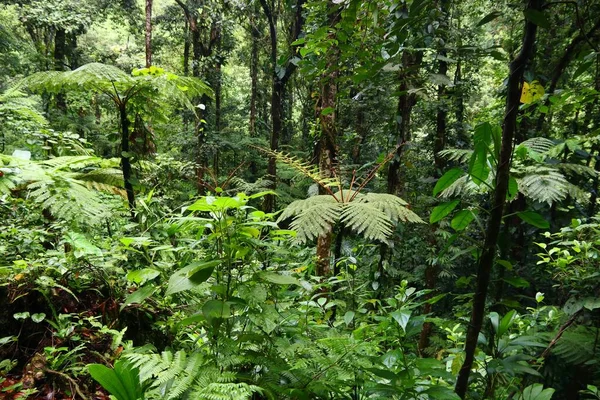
(278, 87)
(441, 121)
(486, 261)
(125, 162)
(254, 61)
(186, 49)
(148, 33)
(406, 101)
(60, 46)
(326, 113)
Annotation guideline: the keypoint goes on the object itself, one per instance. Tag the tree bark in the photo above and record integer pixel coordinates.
(60, 45)
(279, 81)
(406, 102)
(254, 61)
(148, 33)
(125, 162)
(486, 261)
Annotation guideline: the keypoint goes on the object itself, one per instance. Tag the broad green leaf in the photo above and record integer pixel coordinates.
(191, 276)
(140, 276)
(214, 309)
(536, 392)
(139, 295)
(537, 17)
(506, 322)
(513, 188)
(278, 279)
(535, 219)
(462, 219)
(348, 317)
(447, 179)
(441, 393)
(402, 316)
(442, 210)
(489, 18)
(122, 381)
(478, 166)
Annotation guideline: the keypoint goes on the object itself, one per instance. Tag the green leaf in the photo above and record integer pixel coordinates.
(442, 210)
(513, 188)
(462, 219)
(447, 179)
(122, 382)
(21, 315)
(348, 317)
(441, 393)
(478, 165)
(536, 392)
(216, 309)
(535, 219)
(537, 17)
(139, 295)
(37, 318)
(278, 279)
(191, 276)
(402, 317)
(140, 276)
(506, 322)
(489, 18)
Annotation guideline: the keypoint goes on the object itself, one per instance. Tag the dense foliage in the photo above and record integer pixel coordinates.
(299, 199)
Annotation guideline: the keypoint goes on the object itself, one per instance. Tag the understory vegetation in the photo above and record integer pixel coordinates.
(299, 199)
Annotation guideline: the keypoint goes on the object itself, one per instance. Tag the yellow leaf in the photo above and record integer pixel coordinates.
(531, 92)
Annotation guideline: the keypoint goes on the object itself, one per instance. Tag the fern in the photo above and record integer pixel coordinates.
(543, 184)
(182, 375)
(60, 186)
(577, 346)
(373, 214)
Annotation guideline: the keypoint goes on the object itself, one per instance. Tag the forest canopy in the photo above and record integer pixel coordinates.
(299, 199)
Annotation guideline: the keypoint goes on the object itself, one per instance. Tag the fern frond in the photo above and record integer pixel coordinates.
(577, 169)
(458, 155)
(463, 185)
(542, 184)
(577, 346)
(538, 144)
(313, 217)
(367, 220)
(308, 170)
(393, 206)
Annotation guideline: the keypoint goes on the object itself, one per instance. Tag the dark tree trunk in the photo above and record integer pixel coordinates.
(186, 49)
(278, 88)
(406, 101)
(486, 261)
(125, 162)
(60, 46)
(254, 62)
(362, 132)
(327, 150)
(148, 38)
(441, 121)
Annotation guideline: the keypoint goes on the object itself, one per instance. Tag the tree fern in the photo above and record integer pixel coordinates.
(69, 187)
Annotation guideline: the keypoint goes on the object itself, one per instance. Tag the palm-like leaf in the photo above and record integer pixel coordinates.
(313, 217)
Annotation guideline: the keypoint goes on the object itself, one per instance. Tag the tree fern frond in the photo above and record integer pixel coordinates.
(544, 185)
(308, 170)
(577, 346)
(458, 155)
(313, 217)
(393, 206)
(577, 169)
(367, 220)
(463, 185)
(538, 144)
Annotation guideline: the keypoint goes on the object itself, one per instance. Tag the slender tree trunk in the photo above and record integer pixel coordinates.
(60, 45)
(278, 88)
(125, 162)
(148, 33)
(406, 101)
(254, 62)
(326, 113)
(186, 49)
(441, 121)
(486, 261)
